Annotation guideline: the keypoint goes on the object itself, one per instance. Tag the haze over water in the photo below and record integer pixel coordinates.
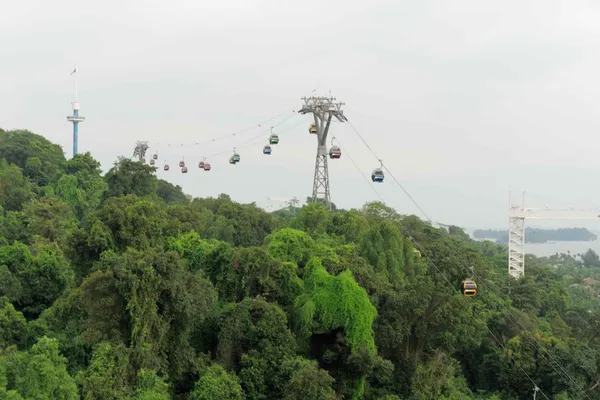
(550, 248)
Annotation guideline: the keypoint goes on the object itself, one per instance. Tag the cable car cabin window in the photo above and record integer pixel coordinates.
(469, 288)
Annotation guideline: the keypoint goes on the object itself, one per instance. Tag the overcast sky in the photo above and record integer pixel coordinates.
(464, 100)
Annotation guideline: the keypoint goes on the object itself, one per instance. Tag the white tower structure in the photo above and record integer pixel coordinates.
(517, 214)
(75, 118)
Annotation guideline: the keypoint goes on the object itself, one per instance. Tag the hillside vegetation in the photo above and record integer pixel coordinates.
(117, 286)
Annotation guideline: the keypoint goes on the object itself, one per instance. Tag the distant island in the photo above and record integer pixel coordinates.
(535, 235)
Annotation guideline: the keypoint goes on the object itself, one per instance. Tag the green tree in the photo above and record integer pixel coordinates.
(13, 327)
(40, 373)
(216, 383)
(309, 383)
(15, 189)
(151, 387)
(128, 177)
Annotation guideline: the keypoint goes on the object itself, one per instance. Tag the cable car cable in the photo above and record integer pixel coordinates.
(415, 242)
(552, 360)
(249, 128)
(456, 253)
(255, 139)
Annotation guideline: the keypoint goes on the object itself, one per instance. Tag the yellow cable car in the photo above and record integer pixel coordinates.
(468, 288)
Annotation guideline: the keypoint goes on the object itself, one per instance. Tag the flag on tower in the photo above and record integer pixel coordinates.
(75, 70)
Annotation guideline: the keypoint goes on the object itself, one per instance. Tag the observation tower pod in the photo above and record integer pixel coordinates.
(75, 119)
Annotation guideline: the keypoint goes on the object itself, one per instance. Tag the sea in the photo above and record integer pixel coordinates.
(550, 248)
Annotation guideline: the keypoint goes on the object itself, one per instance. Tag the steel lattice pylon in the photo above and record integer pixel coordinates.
(321, 181)
(517, 214)
(323, 110)
(516, 236)
(516, 242)
(140, 150)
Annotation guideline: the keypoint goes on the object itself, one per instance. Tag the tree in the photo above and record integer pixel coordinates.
(310, 383)
(40, 373)
(128, 177)
(216, 383)
(15, 189)
(590, 259)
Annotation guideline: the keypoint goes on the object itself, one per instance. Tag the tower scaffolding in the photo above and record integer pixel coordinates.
(517, 214)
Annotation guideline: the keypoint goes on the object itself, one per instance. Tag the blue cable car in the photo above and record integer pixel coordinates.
(267, 150)
(377, 174)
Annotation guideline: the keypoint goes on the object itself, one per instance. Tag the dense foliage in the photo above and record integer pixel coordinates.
(120, 287)
(537, 235)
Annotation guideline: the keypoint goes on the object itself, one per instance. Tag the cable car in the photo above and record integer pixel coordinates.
(235, 158)
(312, 129)
(152, 162)
(335, 152)
(267, 150)
(201, 164)
(273, 139)
(166, 167)
(155, 156)
(182, 163)
(468, 288)
(206, 166)
(377, 175)
(184, 170)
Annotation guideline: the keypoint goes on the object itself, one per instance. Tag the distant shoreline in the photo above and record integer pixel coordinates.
(536, 235)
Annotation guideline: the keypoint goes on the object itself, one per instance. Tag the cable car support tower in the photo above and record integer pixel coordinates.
(323, 110)
(140, 150)
(517, 213)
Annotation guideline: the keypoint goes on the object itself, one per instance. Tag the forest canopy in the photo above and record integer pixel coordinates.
(118, 286)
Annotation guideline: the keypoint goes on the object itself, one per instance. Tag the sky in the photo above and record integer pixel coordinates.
(463, 100)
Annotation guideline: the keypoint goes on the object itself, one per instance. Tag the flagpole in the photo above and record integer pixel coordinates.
(76, 83)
